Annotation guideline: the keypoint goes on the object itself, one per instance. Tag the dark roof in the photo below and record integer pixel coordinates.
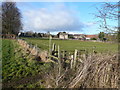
(62, 33)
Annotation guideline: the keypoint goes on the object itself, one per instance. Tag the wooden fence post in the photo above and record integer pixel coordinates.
(59, 59)
(75, 57)
(53, 47)
(71, 63)
(50, 46)
(59, 53)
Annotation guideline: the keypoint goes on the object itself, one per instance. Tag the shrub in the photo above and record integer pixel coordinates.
(93, 39)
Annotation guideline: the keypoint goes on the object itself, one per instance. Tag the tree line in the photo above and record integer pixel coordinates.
(33, 34)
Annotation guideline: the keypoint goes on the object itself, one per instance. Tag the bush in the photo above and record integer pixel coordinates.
(93, 39)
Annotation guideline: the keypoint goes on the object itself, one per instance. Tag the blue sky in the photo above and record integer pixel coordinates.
(72, 17)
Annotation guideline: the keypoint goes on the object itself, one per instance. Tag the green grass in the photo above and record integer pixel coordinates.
(71, 45)
(16, 64)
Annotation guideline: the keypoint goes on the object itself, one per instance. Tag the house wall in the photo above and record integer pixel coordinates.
(87, 38)
(63, 36)
(66, 36)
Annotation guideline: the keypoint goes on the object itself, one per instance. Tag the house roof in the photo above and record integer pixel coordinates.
(78, 34)
(91, 36)
(62, 33)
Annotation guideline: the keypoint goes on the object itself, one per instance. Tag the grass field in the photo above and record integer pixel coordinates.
(71, 45)
(21, 70)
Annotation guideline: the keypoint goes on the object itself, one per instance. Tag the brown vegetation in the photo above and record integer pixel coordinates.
(96, 71)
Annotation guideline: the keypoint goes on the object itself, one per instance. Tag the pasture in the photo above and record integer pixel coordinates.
(21, 70)
(71, 45)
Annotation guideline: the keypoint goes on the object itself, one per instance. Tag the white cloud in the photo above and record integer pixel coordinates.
(57, 19)
(61, 0)
(90, 24)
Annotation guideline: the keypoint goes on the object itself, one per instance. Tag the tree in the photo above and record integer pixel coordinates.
(101, 36)
(11, 18)
(39, 35)
(107, 13)
(35, 34)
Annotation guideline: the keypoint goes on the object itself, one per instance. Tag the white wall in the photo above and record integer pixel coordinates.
(66, 36)
(63, 36)
(87, 38)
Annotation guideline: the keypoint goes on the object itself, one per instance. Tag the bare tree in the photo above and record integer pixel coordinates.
(11, 18)
(108, 12)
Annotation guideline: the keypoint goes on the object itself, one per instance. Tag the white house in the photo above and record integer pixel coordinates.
(63, 35)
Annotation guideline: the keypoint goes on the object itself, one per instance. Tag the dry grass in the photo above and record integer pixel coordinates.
(96, 71)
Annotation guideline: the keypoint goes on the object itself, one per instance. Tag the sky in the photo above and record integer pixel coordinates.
(71, 17)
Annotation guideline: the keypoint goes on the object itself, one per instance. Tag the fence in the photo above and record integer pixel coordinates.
(68, 58)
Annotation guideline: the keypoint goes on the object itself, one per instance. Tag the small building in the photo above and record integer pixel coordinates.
(63, 35)
(88, 37)
(79, 36)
